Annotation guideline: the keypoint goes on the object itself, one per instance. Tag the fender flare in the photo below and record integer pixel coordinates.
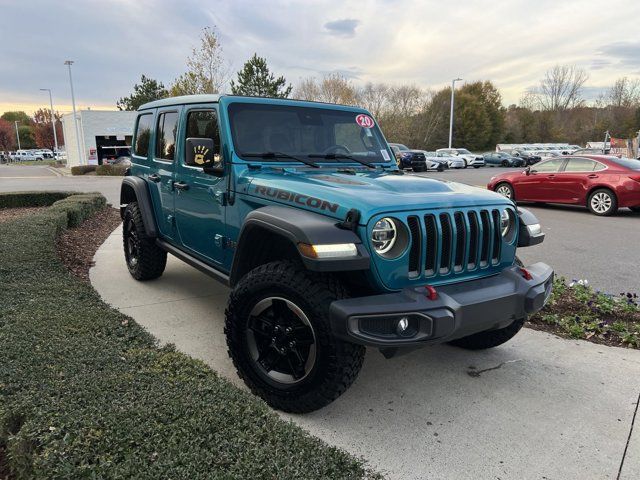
(299, 226)
(136, 189)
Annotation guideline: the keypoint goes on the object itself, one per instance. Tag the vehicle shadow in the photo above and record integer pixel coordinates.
(622, 212)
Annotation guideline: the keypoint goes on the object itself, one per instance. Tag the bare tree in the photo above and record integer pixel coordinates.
(207, 71)
(307, 89)
(373, 97)
(623, 93)
(561, 88)
(332, 88)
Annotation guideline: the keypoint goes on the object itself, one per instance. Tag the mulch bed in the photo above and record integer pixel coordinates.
(77, 246)
(7, 214)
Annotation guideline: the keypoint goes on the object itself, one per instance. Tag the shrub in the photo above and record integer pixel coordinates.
(30, 199)
(82, 169)
(85, 392)
(111, 170)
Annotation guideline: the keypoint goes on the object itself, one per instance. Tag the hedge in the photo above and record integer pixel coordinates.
(82, 169)
(31, 199)
(85, 392)
(111, 170)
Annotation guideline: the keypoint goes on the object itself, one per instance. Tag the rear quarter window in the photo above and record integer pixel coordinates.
(143, 135)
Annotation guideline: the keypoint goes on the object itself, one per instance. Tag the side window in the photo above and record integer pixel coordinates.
(166, 136)
(204, 124)
(580, 165)
(143, 135)
(599, 167)
(549, 166)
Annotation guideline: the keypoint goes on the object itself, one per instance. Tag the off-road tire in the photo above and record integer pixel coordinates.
(337, 363)
(489, 338)
(151, 260)
(614, 202)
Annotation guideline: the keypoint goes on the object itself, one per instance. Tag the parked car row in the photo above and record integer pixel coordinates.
(422, 160)
(33, 155)
(603, 183)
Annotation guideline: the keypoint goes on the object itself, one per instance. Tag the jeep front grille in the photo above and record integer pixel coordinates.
(454, 242)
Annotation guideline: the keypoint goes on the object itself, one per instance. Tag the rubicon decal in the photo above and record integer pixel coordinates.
(296, 198)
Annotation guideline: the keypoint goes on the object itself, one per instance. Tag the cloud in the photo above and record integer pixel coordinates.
(342, 28)
(626, 53)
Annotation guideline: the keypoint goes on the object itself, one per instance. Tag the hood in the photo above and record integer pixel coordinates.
(334, 193)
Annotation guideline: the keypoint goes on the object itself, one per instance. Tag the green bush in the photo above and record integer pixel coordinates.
(82, 169)
(30, 199)
(111, 170)
(85, 392)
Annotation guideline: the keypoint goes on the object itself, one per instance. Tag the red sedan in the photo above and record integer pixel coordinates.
(602, 183)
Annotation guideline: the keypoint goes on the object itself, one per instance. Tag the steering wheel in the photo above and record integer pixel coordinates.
(335, 149)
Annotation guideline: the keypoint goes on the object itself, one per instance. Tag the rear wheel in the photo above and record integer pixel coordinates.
(280, 341)
(145, 260)
(602, 202)
(505, 190)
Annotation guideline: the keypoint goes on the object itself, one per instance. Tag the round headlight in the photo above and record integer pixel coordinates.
(384, 235)
(507, 222)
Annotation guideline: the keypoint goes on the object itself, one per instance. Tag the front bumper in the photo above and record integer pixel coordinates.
(459, 310)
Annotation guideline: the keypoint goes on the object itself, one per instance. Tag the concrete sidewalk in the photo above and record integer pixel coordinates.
(539, 407)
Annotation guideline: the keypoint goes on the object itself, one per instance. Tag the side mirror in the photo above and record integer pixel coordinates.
(200, 153)
(527, 171)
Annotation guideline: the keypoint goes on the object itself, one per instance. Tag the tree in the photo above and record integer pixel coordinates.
(561, 88)
(43, 131)
(624, 93)
(7, 135)
(147, 90)
(256, 80)
(206, 69)
(20, 116)
(26, 137)
(332, 88)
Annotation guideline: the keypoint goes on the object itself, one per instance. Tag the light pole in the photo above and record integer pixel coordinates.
(16, 122)
(53, 121)
(68, 63)
(453, 89)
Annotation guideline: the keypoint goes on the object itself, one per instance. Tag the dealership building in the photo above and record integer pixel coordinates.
(99, 132)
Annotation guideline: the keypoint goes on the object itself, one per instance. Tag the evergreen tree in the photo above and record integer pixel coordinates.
(147, 91)
(256, 80)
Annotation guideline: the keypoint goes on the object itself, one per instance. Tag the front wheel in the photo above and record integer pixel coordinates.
(280, 340)
(490, 338)
(602, 202)
(505, 163)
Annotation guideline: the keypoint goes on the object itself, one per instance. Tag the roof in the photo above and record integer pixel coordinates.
(184, 99)
(190, 99)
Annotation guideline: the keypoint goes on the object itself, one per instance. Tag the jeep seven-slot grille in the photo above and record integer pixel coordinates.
(454, 242)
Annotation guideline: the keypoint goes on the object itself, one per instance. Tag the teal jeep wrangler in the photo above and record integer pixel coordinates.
(327, 246)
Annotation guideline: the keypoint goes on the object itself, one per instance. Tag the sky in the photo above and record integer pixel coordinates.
(421, 42)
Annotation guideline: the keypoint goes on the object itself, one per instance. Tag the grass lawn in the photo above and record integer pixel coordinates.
(85, 392)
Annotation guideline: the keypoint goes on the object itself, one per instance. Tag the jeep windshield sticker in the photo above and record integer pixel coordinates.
(385, 155)
(296, 198)
(365, 121)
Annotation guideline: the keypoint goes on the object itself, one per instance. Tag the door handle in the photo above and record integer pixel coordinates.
(551, 176)
(181, 185)
(593, 175)
(154, 177)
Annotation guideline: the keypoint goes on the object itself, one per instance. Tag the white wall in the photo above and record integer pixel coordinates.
(93, 123)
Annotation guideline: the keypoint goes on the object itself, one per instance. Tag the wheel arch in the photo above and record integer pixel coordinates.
(135, 189)
(273, 233)
(593, 188)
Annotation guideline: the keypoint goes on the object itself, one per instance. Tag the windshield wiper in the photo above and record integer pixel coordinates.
(280, 155)
(336, 156)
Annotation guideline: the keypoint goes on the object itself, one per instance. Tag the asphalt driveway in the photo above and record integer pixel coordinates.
(537, 407)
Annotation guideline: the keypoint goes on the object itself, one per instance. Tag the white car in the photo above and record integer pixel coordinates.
(453, 161)
(470, 159)
(434, 162)
(27, 155)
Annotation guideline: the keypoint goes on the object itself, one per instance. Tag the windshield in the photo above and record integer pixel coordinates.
(627, 162)
(306, 132)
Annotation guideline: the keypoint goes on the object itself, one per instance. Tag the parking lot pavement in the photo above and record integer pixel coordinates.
(23, 178)
(536, 407)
